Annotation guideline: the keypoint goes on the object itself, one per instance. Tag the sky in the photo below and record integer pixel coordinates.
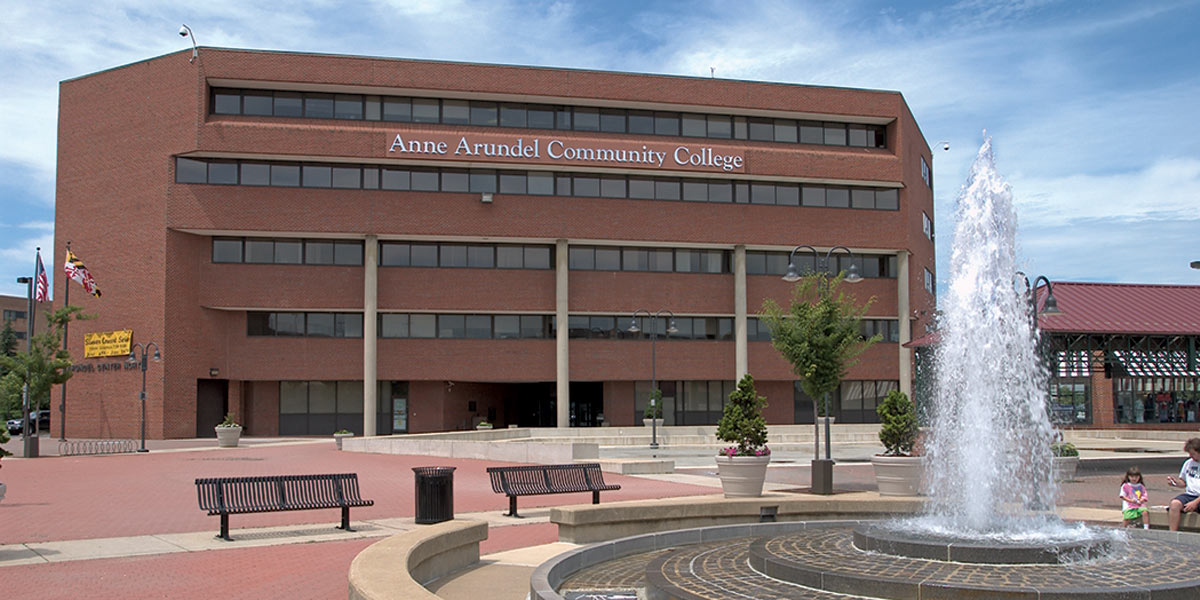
(1091, 106)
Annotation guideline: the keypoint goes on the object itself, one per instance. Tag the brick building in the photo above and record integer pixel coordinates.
(15, 310)
(305, 235)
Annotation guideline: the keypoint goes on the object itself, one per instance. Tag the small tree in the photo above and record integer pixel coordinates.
(819, 333)
(8, 340)
(742, 423)
(654, 407)
(898, 424)
(47, 364)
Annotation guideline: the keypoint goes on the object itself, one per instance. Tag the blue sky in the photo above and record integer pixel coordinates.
(1091, 105)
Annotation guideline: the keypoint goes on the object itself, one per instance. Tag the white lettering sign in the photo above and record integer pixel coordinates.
(702, 157)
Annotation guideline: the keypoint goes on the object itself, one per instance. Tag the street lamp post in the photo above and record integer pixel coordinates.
(138, 355)
(29, 437)
(822, 469)
(633, 328)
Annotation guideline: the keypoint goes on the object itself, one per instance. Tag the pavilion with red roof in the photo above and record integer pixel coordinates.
(1123, 355)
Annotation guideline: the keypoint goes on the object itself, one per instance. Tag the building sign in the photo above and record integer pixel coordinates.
(107, 343)
(576, 151)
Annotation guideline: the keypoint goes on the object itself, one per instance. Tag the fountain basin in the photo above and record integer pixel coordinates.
(885, 540)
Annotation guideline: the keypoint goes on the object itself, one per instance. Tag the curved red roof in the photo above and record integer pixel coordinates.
(1123, 308)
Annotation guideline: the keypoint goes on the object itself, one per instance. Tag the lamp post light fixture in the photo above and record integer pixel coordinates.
(1049, 307)
(185, 31)
(1195, 264)
(821, 469)
(138, 355)
(633, 328)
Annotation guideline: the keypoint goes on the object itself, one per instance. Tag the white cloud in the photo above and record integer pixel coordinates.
(1167, 189)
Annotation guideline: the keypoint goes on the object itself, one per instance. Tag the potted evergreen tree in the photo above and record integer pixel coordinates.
(340, 435)
(898, 470)
(228, 432)
(1065, 461)
(742, 466)
(654, 410)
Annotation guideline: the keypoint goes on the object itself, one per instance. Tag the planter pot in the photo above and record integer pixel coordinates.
(483, 426)
(898, 475)
(742, 476)
(822, 420)
(338, 437)
(227, 437)
(1064, 467)
(657, 422)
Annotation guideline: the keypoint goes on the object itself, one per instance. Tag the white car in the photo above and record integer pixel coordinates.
(14, 426)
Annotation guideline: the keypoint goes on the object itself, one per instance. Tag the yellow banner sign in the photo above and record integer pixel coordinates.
(107, 343)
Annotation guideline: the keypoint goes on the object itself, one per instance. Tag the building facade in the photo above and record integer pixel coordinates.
(321, 242)
(14, 310)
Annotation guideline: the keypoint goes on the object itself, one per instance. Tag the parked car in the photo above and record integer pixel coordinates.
(43, 422)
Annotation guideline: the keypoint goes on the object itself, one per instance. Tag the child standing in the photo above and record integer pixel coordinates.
(1134, 499)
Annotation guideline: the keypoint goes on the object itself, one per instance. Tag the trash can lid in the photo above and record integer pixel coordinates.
(433, 470)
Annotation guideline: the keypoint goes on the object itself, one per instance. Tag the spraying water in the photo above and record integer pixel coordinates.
(988, 456)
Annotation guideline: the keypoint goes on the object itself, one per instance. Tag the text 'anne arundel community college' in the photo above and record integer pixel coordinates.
(703, 157)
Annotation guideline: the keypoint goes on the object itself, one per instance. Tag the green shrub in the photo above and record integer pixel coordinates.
(655, 411)
(742, 423)
(898, 424)
(1064, 449)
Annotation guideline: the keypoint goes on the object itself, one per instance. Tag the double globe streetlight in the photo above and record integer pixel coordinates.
(655, 409)
(822, 470)
(138, 354)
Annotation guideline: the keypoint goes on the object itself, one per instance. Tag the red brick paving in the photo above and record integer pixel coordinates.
(68, 498)
(295, 571)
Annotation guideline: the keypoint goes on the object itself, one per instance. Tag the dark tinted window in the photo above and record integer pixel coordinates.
(224, 173)
(348, 106)
(190, 171)
(318, 106)
(227, 250)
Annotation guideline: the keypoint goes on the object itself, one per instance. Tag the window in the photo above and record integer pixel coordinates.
(928, 281)
(926, 174)
(926, 225)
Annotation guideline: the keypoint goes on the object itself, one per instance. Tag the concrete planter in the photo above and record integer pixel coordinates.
(742, 476)
(656, 422)
(338, 437)
(1064, 467)
(227, 437)
(898, 475)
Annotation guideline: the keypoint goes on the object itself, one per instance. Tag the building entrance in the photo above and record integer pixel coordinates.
(212, 402)
(587, 403)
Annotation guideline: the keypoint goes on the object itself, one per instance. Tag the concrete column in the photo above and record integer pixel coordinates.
(903, 310)
(562, 355)
(741, 357)
(370, 309)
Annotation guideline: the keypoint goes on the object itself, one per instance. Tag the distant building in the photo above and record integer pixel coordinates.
(15, 310)
(304, 235)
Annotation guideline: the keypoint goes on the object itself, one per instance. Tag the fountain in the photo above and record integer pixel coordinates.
(991, 530)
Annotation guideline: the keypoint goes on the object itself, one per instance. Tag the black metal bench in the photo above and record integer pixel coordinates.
(273, 493)
(534, 480)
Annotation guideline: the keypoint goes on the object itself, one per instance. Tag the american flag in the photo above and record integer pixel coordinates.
(41, 287)
(75, 270)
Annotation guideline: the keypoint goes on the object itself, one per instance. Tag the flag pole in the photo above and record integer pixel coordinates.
(62, 406)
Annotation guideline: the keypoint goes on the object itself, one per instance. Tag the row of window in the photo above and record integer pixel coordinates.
(506, 256)
(287, 251)
(536, 183)
(775, 263)
(356, 107)
(13, 315)
(478, 256)
(501, 327)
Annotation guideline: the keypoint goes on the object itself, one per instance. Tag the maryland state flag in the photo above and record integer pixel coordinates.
(75, 270)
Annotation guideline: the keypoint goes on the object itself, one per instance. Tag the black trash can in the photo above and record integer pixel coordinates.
(435, 494)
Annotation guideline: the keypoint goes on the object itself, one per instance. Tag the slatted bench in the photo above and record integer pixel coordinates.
(532, 480)
(273, 493)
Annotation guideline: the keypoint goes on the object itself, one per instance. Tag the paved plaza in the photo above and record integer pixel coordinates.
(129, 525)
